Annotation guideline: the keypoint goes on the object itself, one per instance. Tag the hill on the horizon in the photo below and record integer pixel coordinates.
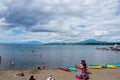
(85, 42)
(91, 41)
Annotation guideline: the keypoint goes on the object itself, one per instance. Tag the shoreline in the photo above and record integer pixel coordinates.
(94, 74)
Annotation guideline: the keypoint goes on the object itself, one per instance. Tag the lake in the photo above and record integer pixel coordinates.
(29, 56)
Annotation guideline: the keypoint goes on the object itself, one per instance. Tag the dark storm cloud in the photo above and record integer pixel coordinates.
(24, 15)
(42, 30)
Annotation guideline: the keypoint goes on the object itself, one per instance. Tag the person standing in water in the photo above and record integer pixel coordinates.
(11, 64)
(43, 65)
(0, 59)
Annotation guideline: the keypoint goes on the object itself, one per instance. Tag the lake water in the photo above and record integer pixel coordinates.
(29, 56)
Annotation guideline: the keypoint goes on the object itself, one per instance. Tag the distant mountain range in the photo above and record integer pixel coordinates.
(90, 41)
(85, 42)
(29, 42)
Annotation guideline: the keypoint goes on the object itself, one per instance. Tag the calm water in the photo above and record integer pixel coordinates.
(29, 56)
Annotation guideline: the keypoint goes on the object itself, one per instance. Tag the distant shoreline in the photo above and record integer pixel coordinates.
(63, 44)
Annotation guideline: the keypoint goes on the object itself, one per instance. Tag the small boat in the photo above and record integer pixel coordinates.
(65, 69)
(104, 66)
(72, 68)
(115, 49)
(117, 64)
(94, 67)
(111, 66)
(64, 66)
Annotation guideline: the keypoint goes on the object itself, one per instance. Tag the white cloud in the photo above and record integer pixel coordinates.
(60, 20)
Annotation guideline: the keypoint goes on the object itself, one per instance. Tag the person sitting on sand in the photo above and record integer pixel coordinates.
(83, 66)
(21, 74)
(50, 77)
(32, 78)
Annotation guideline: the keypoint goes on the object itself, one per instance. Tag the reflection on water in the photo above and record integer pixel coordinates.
(29, 56)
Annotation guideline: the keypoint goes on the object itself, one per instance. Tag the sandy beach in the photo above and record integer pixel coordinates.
(95, 74)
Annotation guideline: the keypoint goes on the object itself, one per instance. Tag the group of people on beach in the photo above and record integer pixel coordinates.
(83, 76)
(21, 73)
(83, 67)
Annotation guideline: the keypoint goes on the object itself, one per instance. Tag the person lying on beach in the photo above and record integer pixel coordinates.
(21, 74)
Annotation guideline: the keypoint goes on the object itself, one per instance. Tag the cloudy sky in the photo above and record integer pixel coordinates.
(59, 20)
